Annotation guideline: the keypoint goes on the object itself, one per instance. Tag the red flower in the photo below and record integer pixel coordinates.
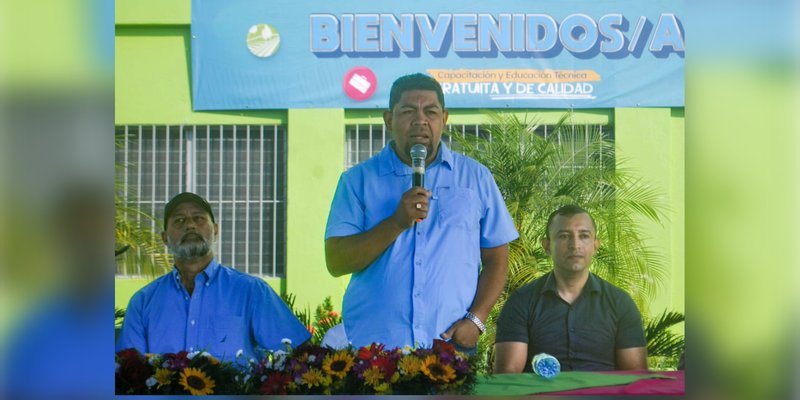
(133, 372)
(129, 354)
(386, 366)
(176, 362)
(440, 346)
(367, 353)
(276, 383)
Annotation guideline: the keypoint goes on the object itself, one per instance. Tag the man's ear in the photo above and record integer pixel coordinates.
(216, 231)
(164, 237)
(546, 245)
(387, 120)
(445, 114)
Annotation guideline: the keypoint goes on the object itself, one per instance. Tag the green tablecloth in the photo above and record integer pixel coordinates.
(521, 384)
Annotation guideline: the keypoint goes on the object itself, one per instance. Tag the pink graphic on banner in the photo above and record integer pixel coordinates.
(360, 83)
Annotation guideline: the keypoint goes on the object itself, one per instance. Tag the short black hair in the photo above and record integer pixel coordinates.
(186, 197)
(567, 211)
(416, 81)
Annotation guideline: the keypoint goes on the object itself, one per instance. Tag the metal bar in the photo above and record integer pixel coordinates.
(601, 145)
(219, 192)
(586, 134)
(187, 166)
(275, 199)
(233, 197)
(247, 205)
(358, 155)
(139, 204)
(153, 175)
(166, 166)
(208, 160)
(261, 203)
(125, 189)
(125, 171)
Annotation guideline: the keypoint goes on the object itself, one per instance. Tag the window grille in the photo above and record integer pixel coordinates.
(239, 169)
(364, 141)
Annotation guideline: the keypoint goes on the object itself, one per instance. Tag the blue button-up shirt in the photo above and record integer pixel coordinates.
(427, 279)
(228, 311)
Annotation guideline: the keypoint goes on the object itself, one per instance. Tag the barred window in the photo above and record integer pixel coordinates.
(364, 141)
(239, 169)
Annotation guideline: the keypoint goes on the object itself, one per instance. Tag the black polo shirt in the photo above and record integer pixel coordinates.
(583, 335)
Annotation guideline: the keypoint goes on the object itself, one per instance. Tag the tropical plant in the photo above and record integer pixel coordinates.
(664, 347)
(572, 164)
(324, 317)
(134, 230)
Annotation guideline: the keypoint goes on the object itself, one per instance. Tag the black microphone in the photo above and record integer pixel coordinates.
(418, 155)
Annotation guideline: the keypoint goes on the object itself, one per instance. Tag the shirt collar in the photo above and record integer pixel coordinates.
(209, 274)
(388, 160)
(592, 284)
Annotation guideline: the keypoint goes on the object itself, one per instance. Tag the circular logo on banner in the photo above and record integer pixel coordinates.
(360, 83)
(263, 40)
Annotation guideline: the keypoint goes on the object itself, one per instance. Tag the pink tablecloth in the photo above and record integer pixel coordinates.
(658, 387)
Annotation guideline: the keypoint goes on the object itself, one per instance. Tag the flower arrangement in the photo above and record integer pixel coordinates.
(309, 369)
(196, 373)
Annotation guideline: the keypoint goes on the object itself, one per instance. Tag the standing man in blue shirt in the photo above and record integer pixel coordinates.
(202, 305)
(426, 262)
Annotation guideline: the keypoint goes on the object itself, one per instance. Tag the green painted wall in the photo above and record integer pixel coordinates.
(677, 298)
(316, 159)
(650, 141)
(152, 81)
(153, 12)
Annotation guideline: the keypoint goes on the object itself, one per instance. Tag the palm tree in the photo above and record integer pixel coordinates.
(538, 174)
(664, 347)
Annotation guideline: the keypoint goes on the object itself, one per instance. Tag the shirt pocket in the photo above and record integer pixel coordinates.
(458, 208)
(228, 334)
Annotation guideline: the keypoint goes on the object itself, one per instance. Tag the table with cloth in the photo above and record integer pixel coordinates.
(584, 383)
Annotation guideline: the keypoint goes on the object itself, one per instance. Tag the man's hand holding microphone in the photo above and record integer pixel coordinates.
(413, 205)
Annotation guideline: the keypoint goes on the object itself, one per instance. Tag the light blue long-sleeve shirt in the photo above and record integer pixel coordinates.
(427, 279)
(228, 311)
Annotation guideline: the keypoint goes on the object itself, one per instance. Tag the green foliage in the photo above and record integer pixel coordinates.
(664, 347)
(536, 175)
(119, 315)
(325, 317)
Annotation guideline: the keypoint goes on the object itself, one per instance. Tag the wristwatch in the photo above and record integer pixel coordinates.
(477, 321)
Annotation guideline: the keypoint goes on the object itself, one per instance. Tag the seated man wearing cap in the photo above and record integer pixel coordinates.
(201, 305)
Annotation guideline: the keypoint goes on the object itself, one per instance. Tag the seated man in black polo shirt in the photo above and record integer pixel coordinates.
(585, 322)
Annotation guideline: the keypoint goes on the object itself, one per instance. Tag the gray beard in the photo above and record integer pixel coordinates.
(191, 250)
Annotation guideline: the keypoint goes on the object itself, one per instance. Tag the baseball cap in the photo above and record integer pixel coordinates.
(184, 198)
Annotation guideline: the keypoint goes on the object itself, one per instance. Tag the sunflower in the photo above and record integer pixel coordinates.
(373, 376)
(196, 382)
(409, 365)
(314, 377)
(337, 364)
(163, 376)
(436, 371)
